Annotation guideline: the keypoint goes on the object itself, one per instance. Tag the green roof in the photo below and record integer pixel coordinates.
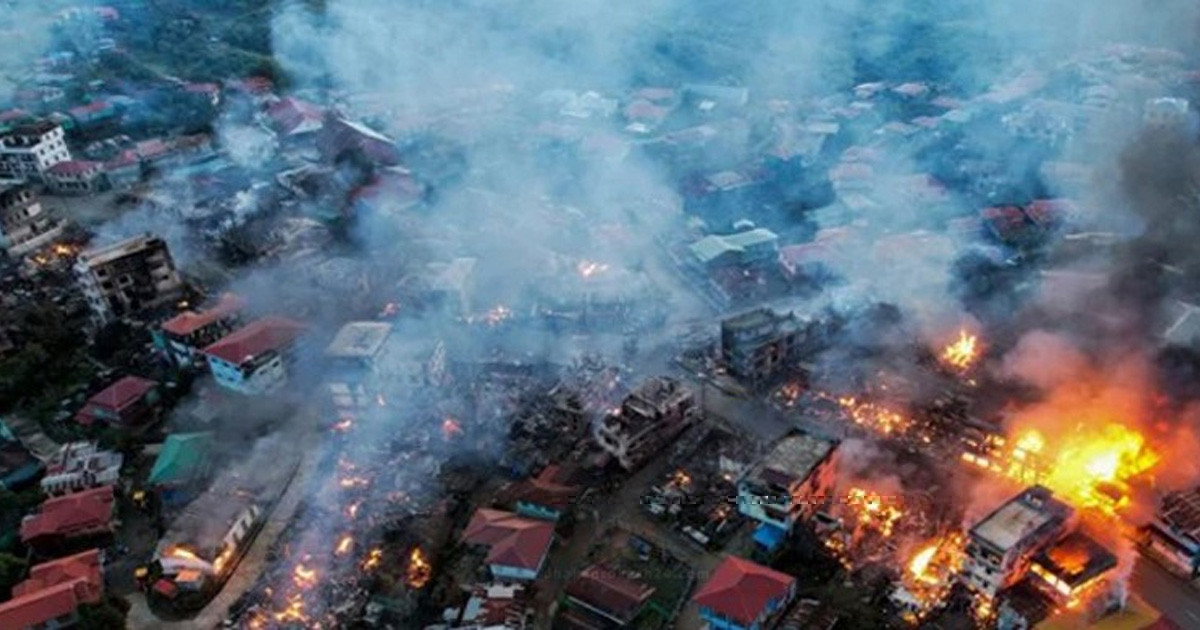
(184, 457)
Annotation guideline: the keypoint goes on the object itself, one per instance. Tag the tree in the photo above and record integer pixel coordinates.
(12, 571)
(107, 615)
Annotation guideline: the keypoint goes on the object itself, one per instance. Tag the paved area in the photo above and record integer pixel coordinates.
(1175, 598)
(30, 434)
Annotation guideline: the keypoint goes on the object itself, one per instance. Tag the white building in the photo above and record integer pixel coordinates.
(81, 466)
(24, 225)
(128, 277)
(28, 152)
(648, 420)
(255, 359)
(1002, 546)
(791, 482)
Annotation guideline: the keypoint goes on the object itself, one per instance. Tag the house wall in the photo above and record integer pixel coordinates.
(512, 573)
(533, 510)
(265, 377)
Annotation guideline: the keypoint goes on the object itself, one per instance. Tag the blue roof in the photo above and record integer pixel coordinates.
(769, 536)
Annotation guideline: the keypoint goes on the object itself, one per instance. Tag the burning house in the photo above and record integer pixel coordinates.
(649, 418)
(1174, 534)
(593, 297)
(208, 538)
(80, 466)
(182, 337)
(24, 225)
(126, 278)
(1002, 546)
(787, 485)
(27, 152)
(1073, 570)
(759, 345)
(255, 358)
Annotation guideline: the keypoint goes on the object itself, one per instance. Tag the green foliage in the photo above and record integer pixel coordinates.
(12, 571)
(42, 364)
(107, 615)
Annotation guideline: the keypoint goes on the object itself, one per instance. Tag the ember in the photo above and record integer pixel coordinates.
(294, 611)
(343, 425)
(450, 429)
(354, 482)
(304, 577)
(873, 416)
(374, 557)
(963, 353)
(389, 310)
(419, 569)
(352, 509)
(344, 545)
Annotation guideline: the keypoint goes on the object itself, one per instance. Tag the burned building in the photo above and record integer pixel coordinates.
(758, 345)
(207, 540)
(24, 225)
(788, 483)
(353, 356)
(1174, 534)
(1002, 546)
(648, 420)
(28, 152)
(126, 278)
(1073, 569)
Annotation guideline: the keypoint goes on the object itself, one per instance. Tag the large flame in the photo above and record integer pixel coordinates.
(1089, 466)
(184, 553)
(963, 352)
(873, 416)
(930, 574)
(873, 510)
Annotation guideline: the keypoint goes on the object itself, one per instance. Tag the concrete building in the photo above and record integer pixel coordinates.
(81, 466)
(353, 356)
(126, 278)
(648, 420)
(1174, 534)
(1002, 546)
(790, 483)
(28, 152)
(751, 248)
(182, 337)
(24, 225)
(75, 177)
(758, 345)
(53, 593)
(255, 358)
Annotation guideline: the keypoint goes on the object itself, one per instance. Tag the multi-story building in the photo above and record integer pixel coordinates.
(80, 466)
(790, 483)
(183, 336)
(758, 345)
(353, 356)
(24, 225)
(1002, 546)
(648, 420)
(128, 277)
(255, 358)
(28, 152)
(1174, 534)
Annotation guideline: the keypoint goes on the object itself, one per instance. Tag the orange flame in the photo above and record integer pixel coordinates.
(344, 545)
(184, 553)
(304, 577)
(874, 417)
(873, 510)
(374, 557)
(294, 611)
(962, 353)
(419, 569)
